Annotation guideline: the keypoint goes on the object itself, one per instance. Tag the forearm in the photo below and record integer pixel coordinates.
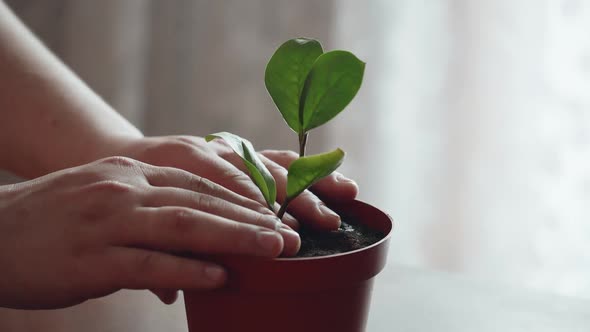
(49, 119)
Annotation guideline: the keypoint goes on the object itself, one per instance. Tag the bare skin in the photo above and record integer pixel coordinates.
(88, 231)
(79, 216)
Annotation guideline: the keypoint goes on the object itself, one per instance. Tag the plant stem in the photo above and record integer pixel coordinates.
(283, 208)
(302, 144)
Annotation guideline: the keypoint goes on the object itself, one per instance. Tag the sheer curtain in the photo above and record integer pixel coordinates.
(476, 134)
(472, 128)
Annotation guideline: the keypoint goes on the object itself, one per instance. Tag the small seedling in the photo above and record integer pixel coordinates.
(309, 88)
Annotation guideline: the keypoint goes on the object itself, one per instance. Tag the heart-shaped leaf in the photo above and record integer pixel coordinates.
(258, 172)
(286, 73)
(331, 84)
(306, 171)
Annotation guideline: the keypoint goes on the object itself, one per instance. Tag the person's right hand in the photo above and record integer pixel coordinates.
(88, 231)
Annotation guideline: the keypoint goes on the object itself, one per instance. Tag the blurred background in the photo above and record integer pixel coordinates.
(472, 127)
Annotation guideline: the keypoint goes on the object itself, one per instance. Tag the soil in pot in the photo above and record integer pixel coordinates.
(350, 236)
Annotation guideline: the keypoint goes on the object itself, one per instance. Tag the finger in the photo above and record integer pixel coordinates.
(167, 296)
(225, 174)
(184, 229)
(174, 177)
(287, 218)
(231, 173)
(135, 268)
(159, 197)
(237, 165)
(307, 207)
(333, 187)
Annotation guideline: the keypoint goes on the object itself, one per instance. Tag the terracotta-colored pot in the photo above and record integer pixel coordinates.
(323, 294)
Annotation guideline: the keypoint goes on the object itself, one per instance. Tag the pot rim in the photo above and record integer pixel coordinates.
(265, 274)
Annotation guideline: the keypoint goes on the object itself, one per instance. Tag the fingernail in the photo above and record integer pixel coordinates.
(293, 239)
(289, 232)
(269, 241)
(214, 273)
(329, 213)
(342, 178)
(285, 227)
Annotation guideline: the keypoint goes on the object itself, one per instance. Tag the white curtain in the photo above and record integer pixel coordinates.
(472, 128)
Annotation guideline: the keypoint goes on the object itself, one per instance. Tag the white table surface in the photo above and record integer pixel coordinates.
(404, 299)
(412, 300)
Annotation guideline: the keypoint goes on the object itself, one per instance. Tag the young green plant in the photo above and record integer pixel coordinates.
(309, 88)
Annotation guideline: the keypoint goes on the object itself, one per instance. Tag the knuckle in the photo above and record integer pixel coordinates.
(111, 187)
(205, 203)
(275, 165)
(262, 209)
(247, 182)
(103, 199)
(236, 176)
(200, 184)
(245, 237)
(185, 140)
(264, 221)
(145, 262)
(238, 229)
(119, 161)
(81, 176)
(223, 149)
(164, 150)
(246, 185)
(179, 145)
(180, 221)
(308, 196)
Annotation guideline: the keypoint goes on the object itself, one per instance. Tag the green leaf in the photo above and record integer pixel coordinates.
(332, 83)
(258, 172)
(306, 171)
(285, 76)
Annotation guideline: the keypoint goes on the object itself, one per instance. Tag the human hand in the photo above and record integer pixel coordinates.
(88, 231)
(217, 162)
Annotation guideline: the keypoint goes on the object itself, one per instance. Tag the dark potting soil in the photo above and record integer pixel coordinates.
(350, 236)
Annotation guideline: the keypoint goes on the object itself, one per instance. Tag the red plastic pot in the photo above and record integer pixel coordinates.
(329, 293)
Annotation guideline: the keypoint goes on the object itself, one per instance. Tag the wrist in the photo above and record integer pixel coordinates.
(72, 154)
(116, 145)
